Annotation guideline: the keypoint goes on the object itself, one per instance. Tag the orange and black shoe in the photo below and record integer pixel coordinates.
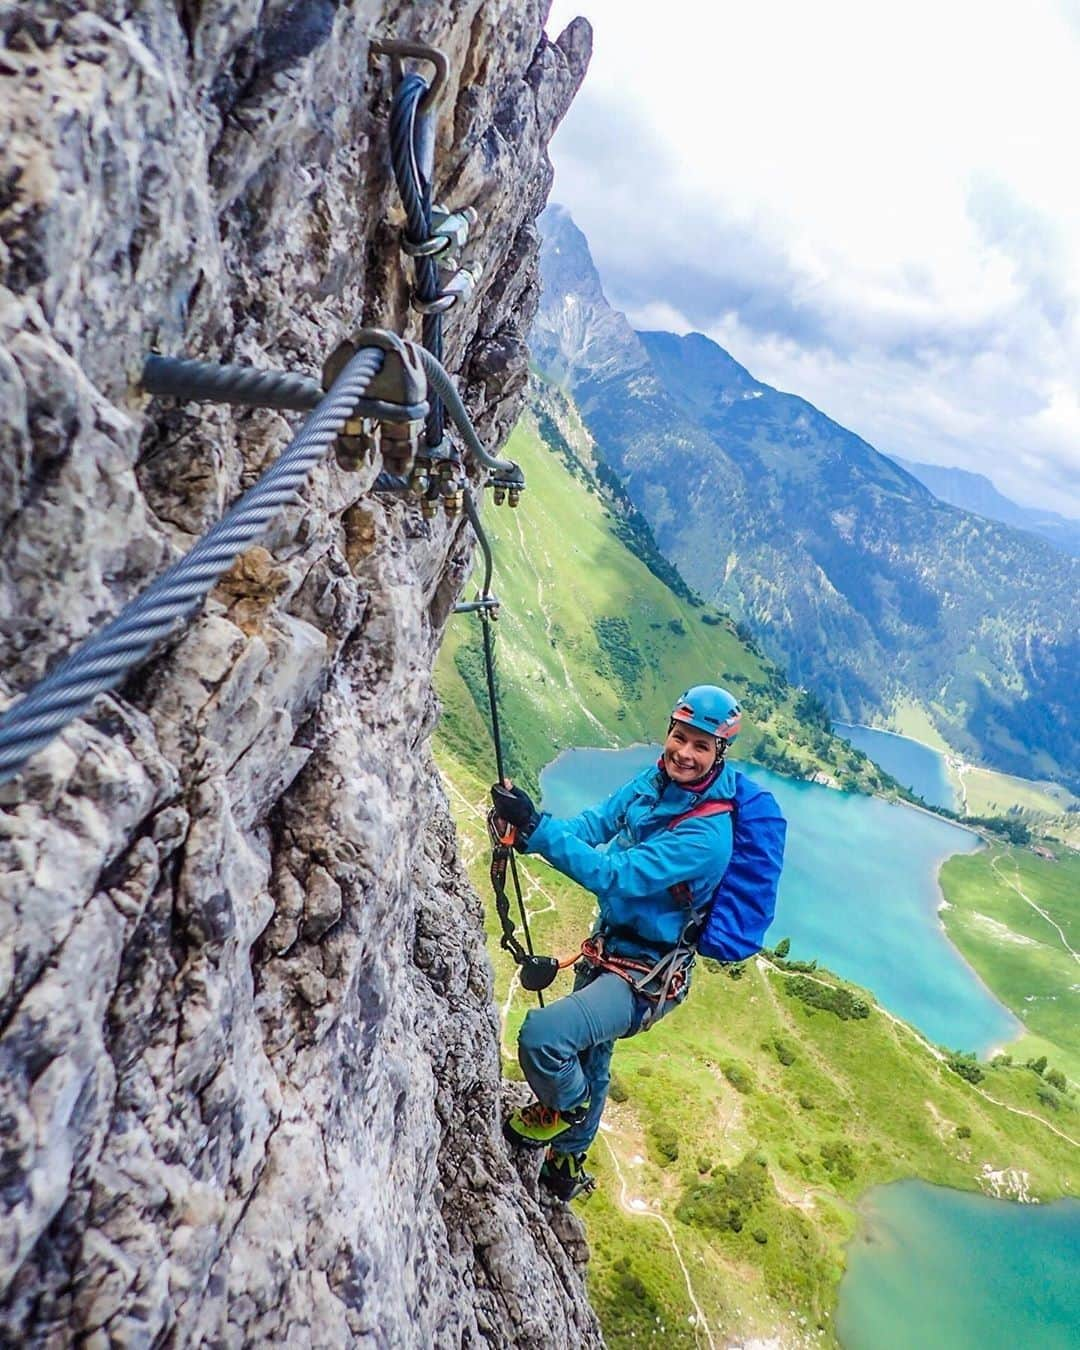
(564, 1176)
(536, 1125)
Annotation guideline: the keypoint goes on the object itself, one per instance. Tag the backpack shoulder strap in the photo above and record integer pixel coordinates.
(713, 808)
(680, 892)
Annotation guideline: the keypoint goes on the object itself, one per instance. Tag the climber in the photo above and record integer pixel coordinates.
(635, 967)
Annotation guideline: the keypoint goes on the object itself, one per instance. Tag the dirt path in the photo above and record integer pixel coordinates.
(960, 769)
(1015, 885)
(639, 1209)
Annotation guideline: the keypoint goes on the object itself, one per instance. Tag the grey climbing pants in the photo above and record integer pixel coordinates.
(565, 1048)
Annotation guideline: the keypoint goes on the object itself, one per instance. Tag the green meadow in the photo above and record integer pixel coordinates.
(1016, 918)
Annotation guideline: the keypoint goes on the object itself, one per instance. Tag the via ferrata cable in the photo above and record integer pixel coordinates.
(502, 852)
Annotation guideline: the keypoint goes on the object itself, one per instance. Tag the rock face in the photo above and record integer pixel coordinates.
(249, 1076)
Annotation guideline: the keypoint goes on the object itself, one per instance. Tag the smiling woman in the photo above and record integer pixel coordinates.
(653, 886)
(940, 322)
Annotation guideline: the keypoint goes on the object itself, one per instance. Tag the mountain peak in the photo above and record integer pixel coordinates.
(706, 370)
(577, 333)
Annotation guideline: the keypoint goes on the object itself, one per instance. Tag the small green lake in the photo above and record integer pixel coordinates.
(859, 893)
(913, 765)
(936, 1267)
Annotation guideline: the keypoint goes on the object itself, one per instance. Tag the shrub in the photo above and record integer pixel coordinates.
(1056, 1079)
(966, 1068)
(806, 1102)
(839, 1001)
(963, 1131)
(739, 1078)
(724, 1201)
(616, 641)
(665, 1142)
(1037, 1065)
(782, 948)
(1048, 1098)
(760, 1235)
(704, 1164)
(836, 1156)
(617, 1090)
(784, 1052)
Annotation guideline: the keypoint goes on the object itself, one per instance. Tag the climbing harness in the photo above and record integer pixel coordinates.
(659, 983)
(374, 396)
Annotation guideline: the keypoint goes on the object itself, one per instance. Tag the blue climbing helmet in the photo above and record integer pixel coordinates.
(710, 709)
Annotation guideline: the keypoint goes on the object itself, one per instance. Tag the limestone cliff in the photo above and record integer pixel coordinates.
(249, 1077)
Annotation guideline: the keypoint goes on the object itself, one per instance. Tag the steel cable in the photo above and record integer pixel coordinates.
(473, 517)
(444, 386)
(174, 377)
(414, 186)
(186, 379)
(102, 661)
(407, 125)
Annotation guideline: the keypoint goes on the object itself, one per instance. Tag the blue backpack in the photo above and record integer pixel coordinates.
(744, 901)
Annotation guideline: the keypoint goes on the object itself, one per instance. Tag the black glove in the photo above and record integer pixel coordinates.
(515, 807)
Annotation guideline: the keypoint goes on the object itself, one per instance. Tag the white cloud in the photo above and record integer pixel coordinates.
(875, 207)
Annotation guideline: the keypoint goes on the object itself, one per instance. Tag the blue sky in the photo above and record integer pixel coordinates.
(874, 206)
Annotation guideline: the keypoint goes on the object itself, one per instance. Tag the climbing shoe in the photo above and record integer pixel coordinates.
(535, 1125)
(564, 1175)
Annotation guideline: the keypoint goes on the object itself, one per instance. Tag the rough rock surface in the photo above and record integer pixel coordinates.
(249, 1078)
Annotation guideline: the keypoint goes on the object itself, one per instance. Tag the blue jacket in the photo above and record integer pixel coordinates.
(638, 915)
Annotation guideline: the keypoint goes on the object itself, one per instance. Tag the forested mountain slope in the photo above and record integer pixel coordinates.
(851, 573)
(975, 492)
(598, 634)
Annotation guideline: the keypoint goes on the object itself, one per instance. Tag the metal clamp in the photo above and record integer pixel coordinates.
(449, 230)
(460, 287)
(420, 51)
(488, 605)
(398, 393)
(396, 400)
(507, 488)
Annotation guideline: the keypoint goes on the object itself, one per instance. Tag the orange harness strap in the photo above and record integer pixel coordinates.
(592, 949)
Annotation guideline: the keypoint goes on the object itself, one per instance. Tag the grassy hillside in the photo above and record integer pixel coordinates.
(1049, 809)
(1016, 918)
(742, 1129)
(594, 644)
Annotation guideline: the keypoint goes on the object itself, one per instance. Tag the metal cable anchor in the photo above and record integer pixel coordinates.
(398, 48)
(507, 487)
(459, 287)
(392, 412)
(449, 230)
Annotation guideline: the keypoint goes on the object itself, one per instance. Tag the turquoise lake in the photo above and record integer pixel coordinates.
(935, 1267)
(911, 763)
(859, 893)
